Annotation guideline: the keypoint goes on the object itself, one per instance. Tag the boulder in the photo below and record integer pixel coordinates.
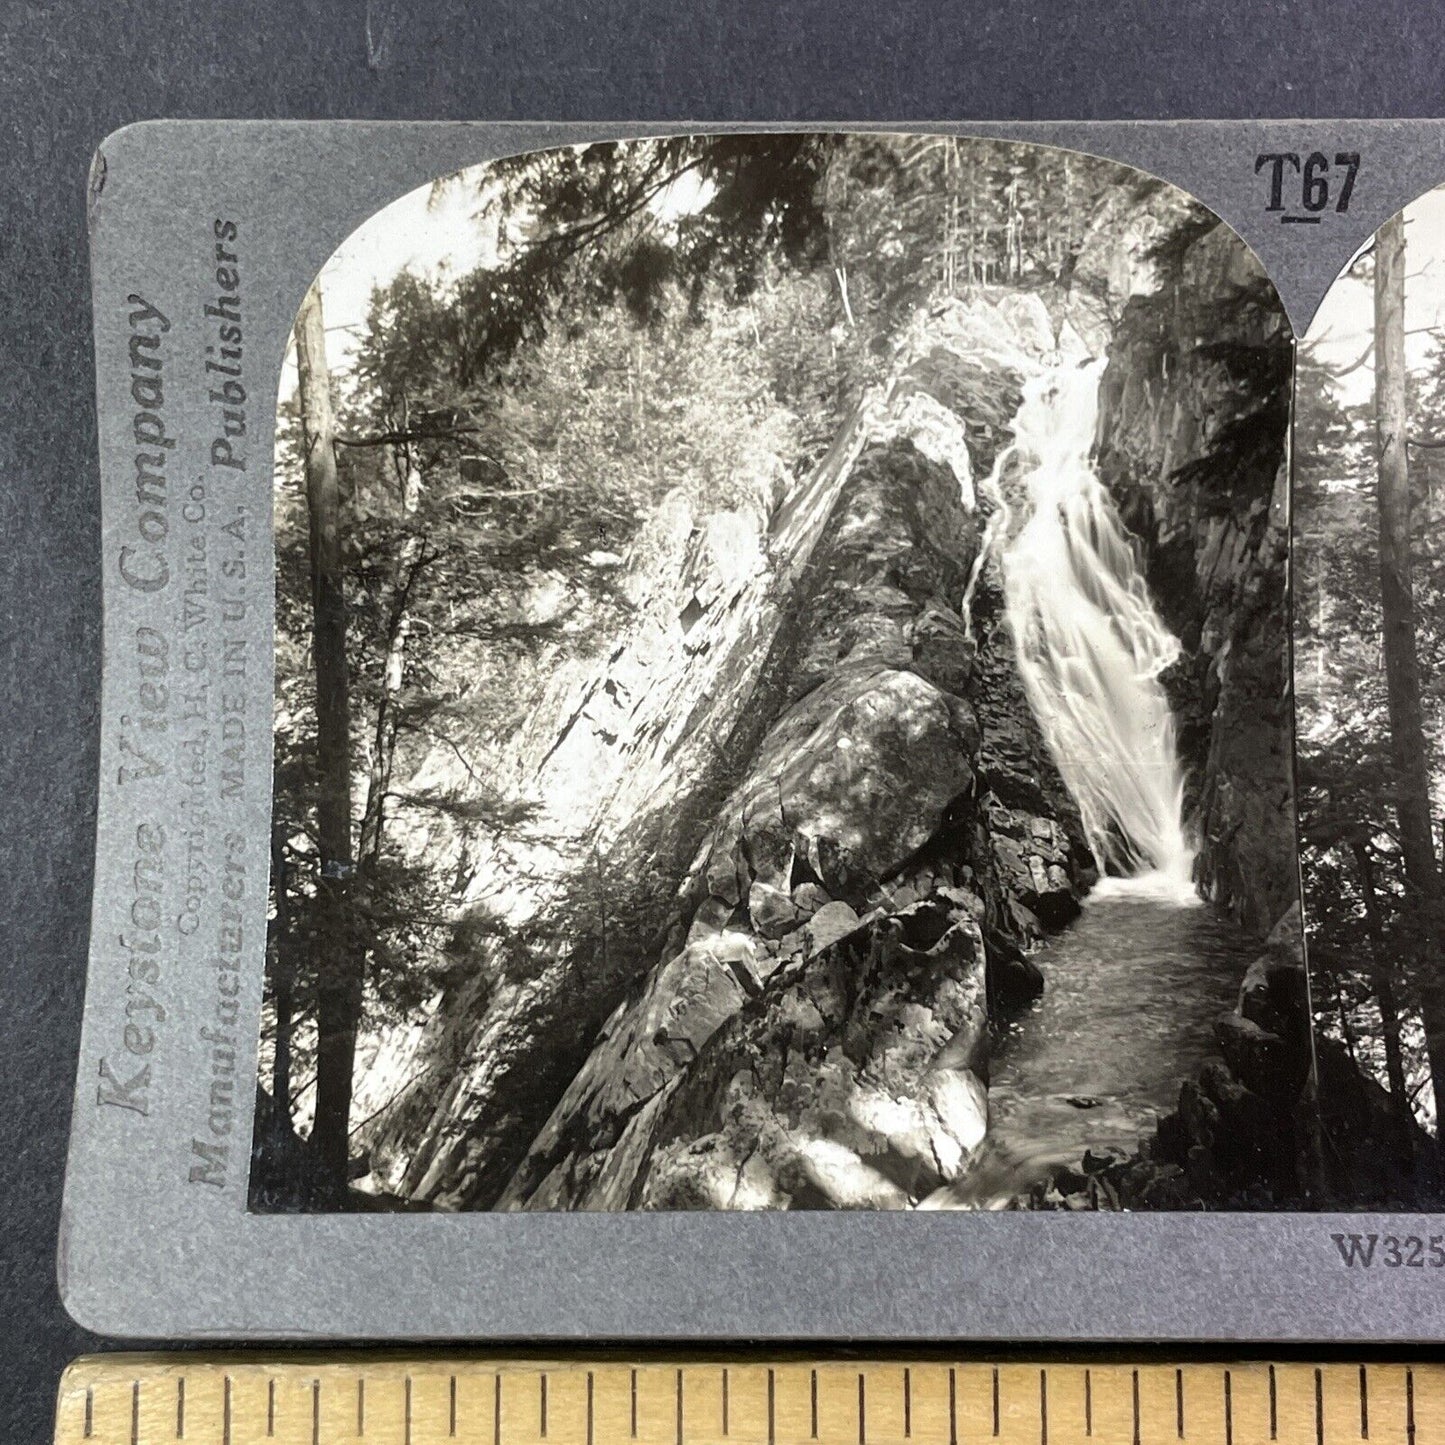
(1260, 1060)
(852, 781)
(771, 910)
(942, 650)
(1198, 1113)
(830, 923)
(808, 898)
(1033, 855)
(851, 1069)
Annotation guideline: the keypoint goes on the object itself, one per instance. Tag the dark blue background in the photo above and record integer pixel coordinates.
(70, 73)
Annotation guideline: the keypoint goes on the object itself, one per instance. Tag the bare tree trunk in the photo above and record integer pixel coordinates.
(950, 226)
(1383, 983)
(841, 272)
(1402, 669)
(383, 751)
(283, 979)
(338, 968)
(972, 218)
(836, 259)
(1013, 233)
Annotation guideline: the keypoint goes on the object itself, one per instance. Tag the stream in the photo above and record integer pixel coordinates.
(1133, 986)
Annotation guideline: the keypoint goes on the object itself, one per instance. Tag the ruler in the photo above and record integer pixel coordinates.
(149, 1399)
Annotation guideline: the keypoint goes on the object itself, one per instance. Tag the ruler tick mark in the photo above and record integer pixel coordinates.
(240, 1416)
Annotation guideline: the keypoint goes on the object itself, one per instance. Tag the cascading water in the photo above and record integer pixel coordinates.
(1090, 645)
(1134, 985)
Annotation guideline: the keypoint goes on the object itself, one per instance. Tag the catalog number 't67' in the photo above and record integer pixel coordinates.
(1319, 178)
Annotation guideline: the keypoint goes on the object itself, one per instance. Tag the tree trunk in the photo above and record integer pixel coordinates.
(841, 273)
(283, 979)
(1408, 755)
(373, 817)
(972, 219)
(832, 200)
(338, 968)
(950, 226)
(1383, 983)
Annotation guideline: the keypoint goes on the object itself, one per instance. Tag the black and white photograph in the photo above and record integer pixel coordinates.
(1369, 593)
(783, 699)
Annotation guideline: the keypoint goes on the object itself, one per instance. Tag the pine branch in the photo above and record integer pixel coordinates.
(503, 495)
(562, 245)
(400, 438)
(1338, 371)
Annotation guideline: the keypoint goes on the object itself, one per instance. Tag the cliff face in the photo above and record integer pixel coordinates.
(781, 767)
(1193, 424)
(820, 1040)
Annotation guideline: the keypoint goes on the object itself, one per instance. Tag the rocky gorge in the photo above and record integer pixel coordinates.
(815, 833)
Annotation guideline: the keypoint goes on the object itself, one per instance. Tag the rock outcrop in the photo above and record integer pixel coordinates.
(1193, 424)
(781, 768)
(820, 1038)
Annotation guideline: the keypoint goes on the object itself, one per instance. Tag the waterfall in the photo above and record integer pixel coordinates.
(1089, 642)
